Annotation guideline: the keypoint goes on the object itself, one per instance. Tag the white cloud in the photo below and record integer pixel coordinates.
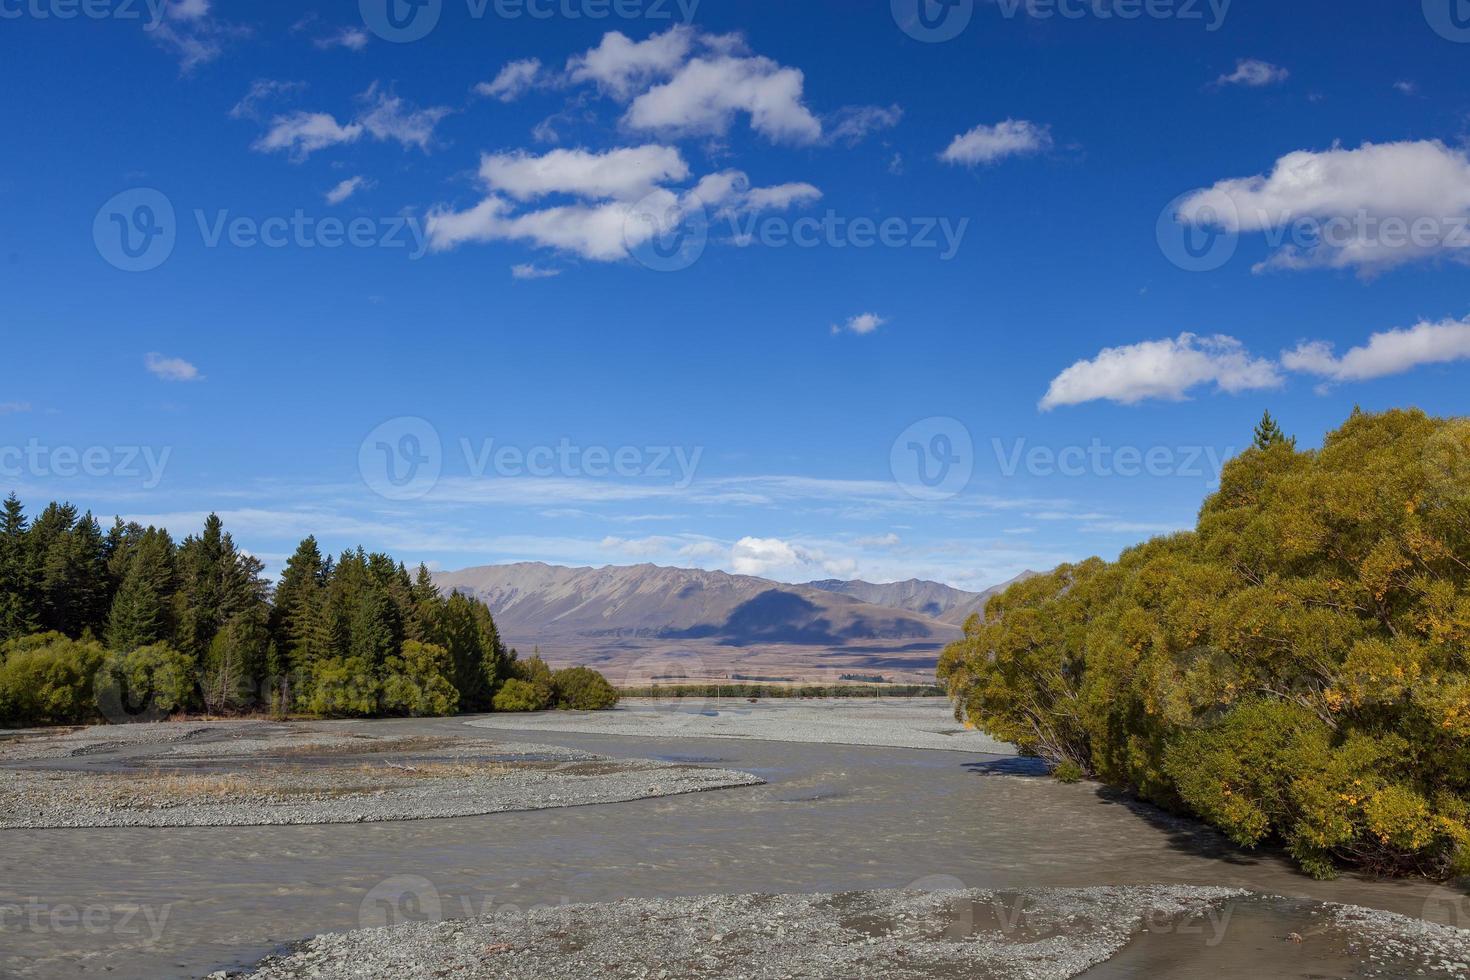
(1386, 353)
(852, 124)
(1254, 73)
(194, 36)
(989, 144)
(303, 133)
(782, 197)
(389, 117)
(889, 540)
(623, 174)
(764, 556)
(706, 95)
(171, 368)
(351, 38)
(532, 271)
(347, 188)
(385, 117)
(1407, 87)
(261, 90)
(14, 408)
(1371, 208)
(514, 81)
(862, 324)
(620, 66)
(617, 192)
(1166, 369)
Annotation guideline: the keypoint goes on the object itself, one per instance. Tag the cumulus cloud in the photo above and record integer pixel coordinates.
(684, 83)
(347, 188)
(614, 193)
(384, 116)
(1372, 208)
(301, 133)
(620, 66)
(1386, 353)
(706, 95)
(862, 324)
(764, 556)
(1163, 369)
(627, 173)
(514, 81)
(1254, 73)
(171, 368)
(989, 144)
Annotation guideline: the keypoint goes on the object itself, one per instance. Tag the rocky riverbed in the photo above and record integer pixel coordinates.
(261, 774)
(1041, 934)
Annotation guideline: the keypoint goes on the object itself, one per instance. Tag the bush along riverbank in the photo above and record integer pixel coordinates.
(129, 626)
(1294, 670)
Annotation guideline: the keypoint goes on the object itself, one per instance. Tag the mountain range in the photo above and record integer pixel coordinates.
(647, 622)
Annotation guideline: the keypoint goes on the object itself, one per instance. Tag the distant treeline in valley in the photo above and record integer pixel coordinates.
(712, 691)
(1295, 670)
(129, 625)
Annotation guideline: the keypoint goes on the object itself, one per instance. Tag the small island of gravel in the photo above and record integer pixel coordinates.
(238, 774)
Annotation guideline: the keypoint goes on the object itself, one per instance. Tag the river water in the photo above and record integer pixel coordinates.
(831, 818)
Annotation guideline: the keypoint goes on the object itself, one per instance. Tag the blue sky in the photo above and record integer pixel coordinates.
(788, 288)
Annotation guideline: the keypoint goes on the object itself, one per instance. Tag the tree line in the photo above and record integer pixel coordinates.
(1294, 670)
(128, 624)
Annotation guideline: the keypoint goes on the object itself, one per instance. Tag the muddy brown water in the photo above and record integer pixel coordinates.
(180, 902)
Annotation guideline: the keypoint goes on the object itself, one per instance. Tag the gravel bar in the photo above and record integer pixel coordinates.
(1038, 935)
(269, 774)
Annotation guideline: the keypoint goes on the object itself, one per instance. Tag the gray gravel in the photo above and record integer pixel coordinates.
(262, 774)
(905, 723)
(1037, 935)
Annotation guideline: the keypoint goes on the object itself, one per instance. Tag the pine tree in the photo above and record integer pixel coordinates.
(19, 599)
(1269, 434)
(298, 634)
(143, 610)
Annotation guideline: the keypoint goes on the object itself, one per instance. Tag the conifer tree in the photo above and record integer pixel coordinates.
(19, 612)
(143, 611)
(1269, 434)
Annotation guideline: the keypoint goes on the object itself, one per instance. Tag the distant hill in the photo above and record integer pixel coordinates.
(713, 624)
(932, 599)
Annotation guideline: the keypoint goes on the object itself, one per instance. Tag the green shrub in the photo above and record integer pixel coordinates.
(582, 689)
(1068, 771)
(519, 695)
(1293, 671)
(147, 684)
(418, 682)
(342, 687)
(48, 679)
(535, 672)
